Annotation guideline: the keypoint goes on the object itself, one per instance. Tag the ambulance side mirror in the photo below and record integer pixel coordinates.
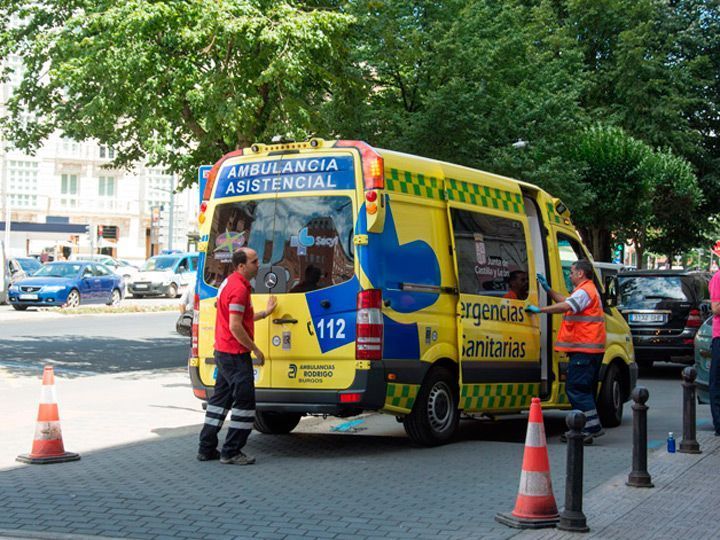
(610, 296)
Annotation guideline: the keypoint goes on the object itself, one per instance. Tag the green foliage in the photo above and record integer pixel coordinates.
(176, 83)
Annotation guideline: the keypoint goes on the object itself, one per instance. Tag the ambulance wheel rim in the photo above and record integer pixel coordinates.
(616, 394)
(439, 406)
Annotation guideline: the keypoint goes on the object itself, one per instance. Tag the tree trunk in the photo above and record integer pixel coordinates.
(640, 254)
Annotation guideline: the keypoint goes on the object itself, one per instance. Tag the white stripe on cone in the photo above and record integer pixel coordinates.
(47, 394)
(535, 484)
(535, 435)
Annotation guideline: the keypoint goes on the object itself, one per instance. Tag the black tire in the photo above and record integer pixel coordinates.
(434, 417)
(19, 308)
(275, 423)
(172, 291)
(115, 297)
(610, 400)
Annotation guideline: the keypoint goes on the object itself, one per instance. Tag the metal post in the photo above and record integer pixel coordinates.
(572, 517)
(172, 212)
(639, 476)
(689, 444)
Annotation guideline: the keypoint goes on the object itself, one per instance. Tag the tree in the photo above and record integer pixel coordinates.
(618, 190)
(462, 80)
(175, 83)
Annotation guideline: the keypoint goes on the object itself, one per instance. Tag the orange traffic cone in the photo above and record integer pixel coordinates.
(535, 507)
(48, 445)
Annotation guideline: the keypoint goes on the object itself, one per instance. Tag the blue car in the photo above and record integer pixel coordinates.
(68, 284)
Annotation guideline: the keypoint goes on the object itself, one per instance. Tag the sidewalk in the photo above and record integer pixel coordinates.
(683, 503)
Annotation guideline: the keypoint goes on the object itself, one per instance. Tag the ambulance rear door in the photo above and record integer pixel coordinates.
(499, 342)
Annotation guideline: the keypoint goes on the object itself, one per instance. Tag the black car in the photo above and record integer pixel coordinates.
(664, 309)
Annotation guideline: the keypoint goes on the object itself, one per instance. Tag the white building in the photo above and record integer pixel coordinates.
(67, 187)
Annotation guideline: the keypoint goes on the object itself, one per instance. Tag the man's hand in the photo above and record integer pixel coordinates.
(532, 309)
(543, 282)
(259, 355)
(271, 304)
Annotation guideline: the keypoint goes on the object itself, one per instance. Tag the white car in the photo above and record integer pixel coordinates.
(165, 275)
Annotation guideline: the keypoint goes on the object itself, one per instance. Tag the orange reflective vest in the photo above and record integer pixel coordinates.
(584, 331)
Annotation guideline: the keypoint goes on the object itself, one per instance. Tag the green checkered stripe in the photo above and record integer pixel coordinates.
(552, 214)
(480, 397)
(465, 192)
(418, 185)
(401, 395)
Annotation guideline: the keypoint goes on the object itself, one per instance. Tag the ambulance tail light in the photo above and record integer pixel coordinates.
(351, 397)
(372, 164)
(196, 317)
(369, 325)
(694, 319)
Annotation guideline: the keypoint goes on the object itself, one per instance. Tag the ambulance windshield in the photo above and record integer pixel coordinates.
(306, 243)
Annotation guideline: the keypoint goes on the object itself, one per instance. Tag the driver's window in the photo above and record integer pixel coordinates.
(87, 272)
(570, 252)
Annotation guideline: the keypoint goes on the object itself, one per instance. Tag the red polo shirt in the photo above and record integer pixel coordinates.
(233, 297)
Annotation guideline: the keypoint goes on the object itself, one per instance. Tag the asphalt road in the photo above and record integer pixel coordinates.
(86, 345)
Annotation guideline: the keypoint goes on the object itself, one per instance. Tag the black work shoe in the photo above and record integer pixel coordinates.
(239, 459)
(587, 439)
(208, 457)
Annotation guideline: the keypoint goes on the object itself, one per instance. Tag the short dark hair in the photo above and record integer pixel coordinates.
(585, 267)
(239, 257)
(515, 274)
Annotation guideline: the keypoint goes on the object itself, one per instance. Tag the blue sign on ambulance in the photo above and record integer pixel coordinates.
(300, 174)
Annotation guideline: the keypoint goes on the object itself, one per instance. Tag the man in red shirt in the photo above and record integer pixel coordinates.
(235, 385)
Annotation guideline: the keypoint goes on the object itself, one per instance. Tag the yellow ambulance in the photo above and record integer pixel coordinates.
(401, 285)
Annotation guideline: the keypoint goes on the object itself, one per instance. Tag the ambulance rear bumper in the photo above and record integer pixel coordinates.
(367, 392)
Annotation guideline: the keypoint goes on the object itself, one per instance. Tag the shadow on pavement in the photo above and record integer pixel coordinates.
(78, 356)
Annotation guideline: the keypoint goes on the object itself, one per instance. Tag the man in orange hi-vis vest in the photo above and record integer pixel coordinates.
(582, 337)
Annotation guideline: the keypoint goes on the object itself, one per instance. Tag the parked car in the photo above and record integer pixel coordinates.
(118, 266)
(703, 340)
(664, 309)
(68, 284)
(22, 267)
(606, 270)
(165, 275)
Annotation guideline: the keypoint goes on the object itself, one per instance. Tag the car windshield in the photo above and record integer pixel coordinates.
(59, 270)
(159, 263)
(647, 292)
(30, 266)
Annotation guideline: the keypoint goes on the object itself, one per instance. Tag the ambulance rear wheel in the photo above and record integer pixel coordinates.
(434, 416)
(274, 423)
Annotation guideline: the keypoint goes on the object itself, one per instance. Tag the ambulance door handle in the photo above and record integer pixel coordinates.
(310, 328)
(325, 303)
(285, 321)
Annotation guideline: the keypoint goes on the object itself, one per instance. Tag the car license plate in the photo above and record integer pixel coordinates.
(141, 286)
(647, 318)
(28, 297)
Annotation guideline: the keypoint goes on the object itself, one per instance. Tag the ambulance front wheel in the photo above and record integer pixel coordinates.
(275, 423)
(610, 400)
(434, 417)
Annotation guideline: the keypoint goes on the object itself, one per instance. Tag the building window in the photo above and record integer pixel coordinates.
(107, 152)
(106, 186)
(22, 183)
(69, 190)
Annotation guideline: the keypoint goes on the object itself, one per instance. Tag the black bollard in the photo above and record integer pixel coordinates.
(689, 444)
(572, 517)
(639, 476)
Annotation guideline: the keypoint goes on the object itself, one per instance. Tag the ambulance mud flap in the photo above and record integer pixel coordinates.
(370, 384)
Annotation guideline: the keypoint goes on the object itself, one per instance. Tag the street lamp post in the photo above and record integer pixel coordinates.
(171, 205)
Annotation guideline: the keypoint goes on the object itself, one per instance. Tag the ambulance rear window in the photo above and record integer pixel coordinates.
(306, 243)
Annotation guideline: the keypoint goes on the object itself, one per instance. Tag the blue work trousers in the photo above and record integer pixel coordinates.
(581, 385)
(234, 393)
(714, 383)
